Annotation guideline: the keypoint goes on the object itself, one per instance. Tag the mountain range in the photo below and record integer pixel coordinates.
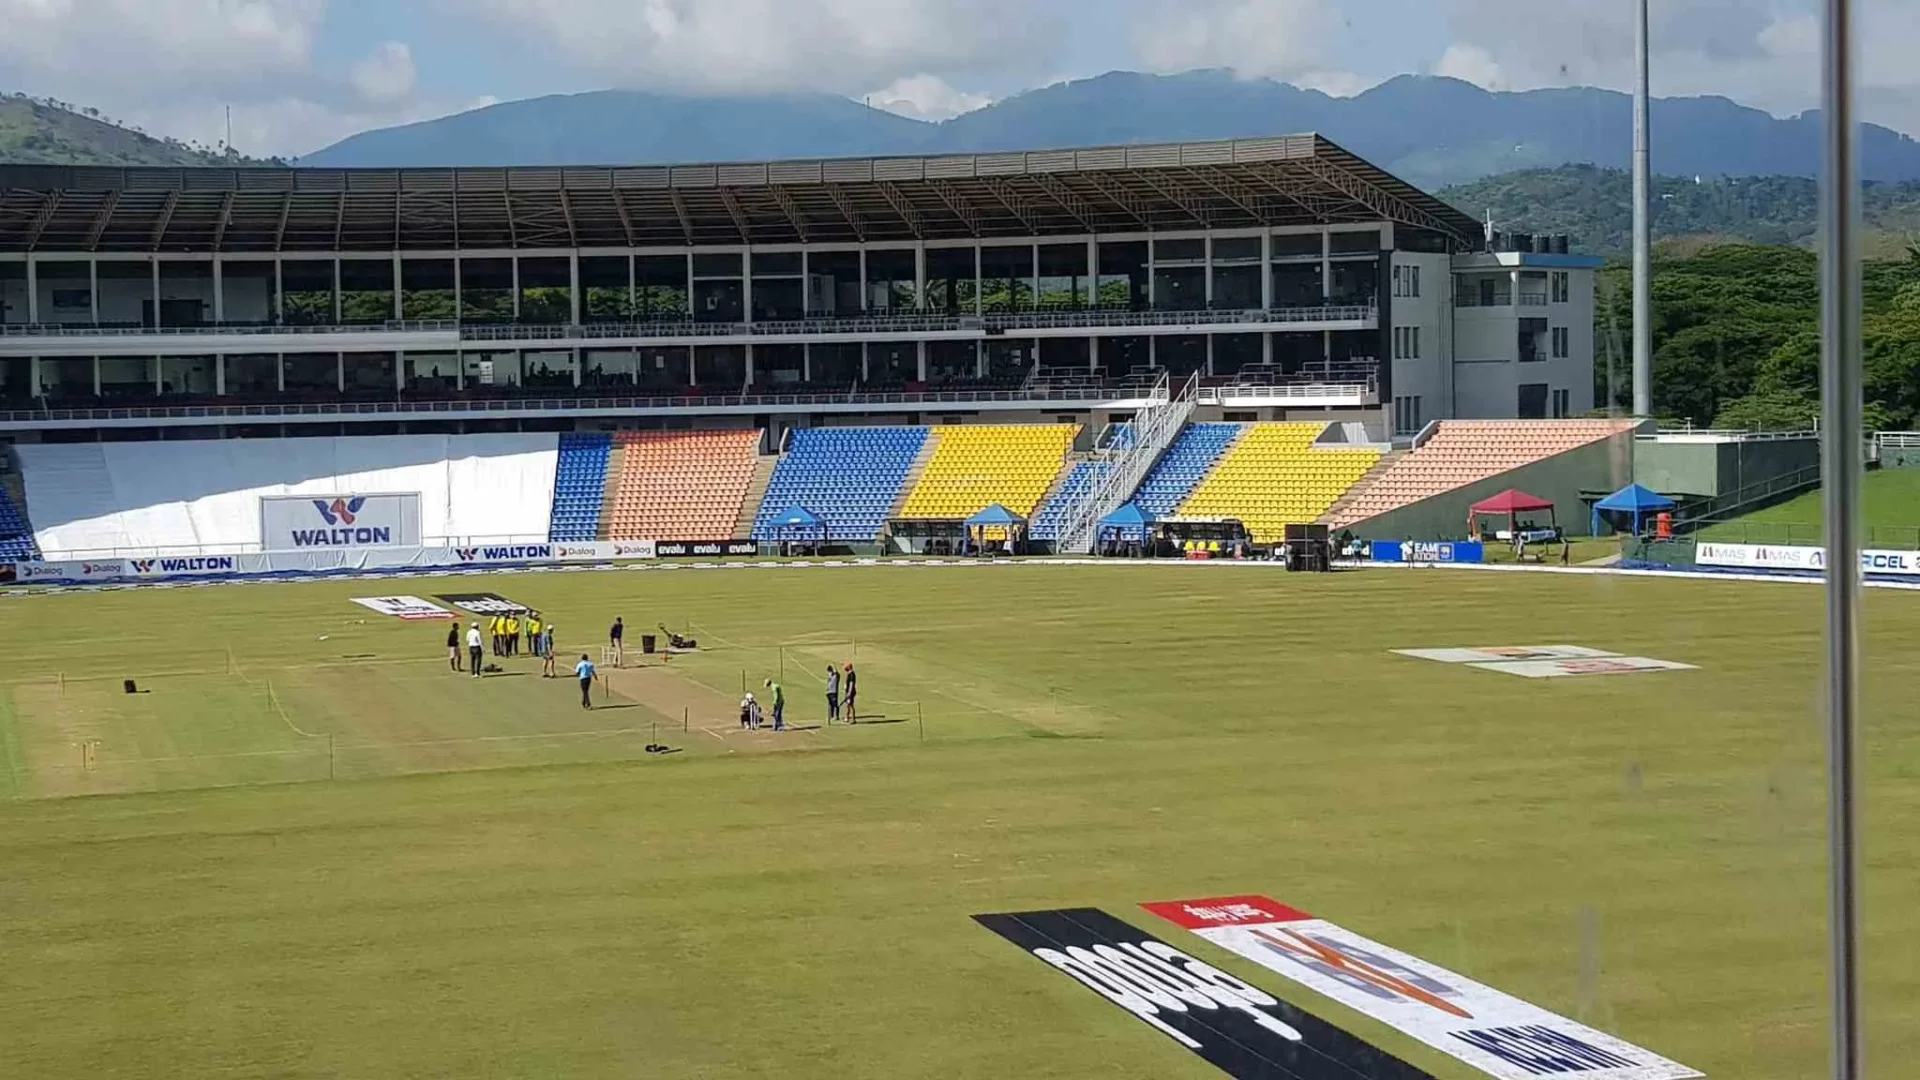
(1430, 130)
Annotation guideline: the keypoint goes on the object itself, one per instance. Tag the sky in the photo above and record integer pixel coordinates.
(302, 74)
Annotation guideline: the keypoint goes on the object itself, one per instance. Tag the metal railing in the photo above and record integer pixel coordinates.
(1750, 497)
(1088, 396)
(1154, 428)
(1897, 440)
(1797, 534)
(1228, 395)
(229, 329)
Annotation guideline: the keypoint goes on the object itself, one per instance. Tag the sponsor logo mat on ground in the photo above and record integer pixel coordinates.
(1546, 661)
(1242, 1030)
(1494, 1032)
(404, 607)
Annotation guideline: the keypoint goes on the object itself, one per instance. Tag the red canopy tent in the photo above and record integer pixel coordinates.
(1508, 504)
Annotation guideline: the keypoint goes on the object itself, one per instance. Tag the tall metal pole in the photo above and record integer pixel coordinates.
(1642, 224)
(1840, 456)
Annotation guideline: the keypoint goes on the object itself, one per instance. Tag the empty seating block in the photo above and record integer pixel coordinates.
(16, 541)
(1461, 452)
(682, 485)
(974, 466)
(579, 485)
(851, 477)
(1274, 477)
(1183, 466)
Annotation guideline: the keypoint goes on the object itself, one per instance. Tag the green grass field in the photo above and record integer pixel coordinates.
(1890, 506)
(496, 884)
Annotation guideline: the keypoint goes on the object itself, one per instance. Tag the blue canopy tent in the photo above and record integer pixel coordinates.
(799, 525)
(996, 522)
(1129, 524)
(1633, 503)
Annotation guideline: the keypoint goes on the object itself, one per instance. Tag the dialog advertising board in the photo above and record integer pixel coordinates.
(1494, 1032)
(1237, 1027)
(328, 522)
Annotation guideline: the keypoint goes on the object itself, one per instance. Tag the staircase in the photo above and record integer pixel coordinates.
(1360, 486)
(616, 460)
(913, 477)
(1154, 429)
(763, 467)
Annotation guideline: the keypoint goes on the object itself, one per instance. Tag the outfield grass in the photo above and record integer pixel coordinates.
(1643, 852)
(1890, 506)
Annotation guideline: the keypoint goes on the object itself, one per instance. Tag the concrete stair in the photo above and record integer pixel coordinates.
(913, 478)
(615, 459)
(756, 493)
(1361, 485)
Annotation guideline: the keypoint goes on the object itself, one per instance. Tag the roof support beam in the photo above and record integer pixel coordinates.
(790, 208)
(680, 211)
(956, 203)
(280, 230)
(626, 220)
(1064, 197)
(739, 216)
(226, 218)
(847, 210)
(1299, 192)
(566, 210)
(1007, 197)
(1384, 203)
(1120, 197)
(166, 219)
(42, 219)
(100, 220)
(1187, 205)
(904, 207)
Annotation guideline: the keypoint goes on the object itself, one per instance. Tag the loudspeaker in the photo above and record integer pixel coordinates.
(1298, 533)
(131, 689)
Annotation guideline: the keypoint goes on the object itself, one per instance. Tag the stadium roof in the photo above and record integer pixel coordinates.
(1286, 180)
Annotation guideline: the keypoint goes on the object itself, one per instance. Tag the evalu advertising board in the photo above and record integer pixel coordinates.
(322, 522)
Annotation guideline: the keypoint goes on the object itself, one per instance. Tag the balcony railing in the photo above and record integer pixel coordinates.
(227, 329)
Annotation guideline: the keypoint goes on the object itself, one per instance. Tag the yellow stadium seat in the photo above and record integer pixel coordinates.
(1273, 477)
(974, 466)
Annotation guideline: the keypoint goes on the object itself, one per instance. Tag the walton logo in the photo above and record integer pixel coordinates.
(1358, 968)
(143, 566)
(340, 511)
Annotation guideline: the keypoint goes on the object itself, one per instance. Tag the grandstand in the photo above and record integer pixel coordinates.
(16, 539)
(973, 467)
(850, 477)
(1183, 466)
(1274, 476)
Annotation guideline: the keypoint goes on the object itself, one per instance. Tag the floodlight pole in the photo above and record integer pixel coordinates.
(1642, 223)
(1840, 458)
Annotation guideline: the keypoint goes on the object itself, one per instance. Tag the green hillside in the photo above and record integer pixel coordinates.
(42, 132)
(1890, 505)
(1595, 206)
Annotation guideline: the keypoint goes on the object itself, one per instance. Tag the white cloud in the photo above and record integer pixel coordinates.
(840, 46)
(173, 67)
(1278, 39)
(926, 97)
(1763, 53)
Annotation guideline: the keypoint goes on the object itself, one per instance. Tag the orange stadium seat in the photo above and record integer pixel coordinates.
(681, 485)
(1461, 452)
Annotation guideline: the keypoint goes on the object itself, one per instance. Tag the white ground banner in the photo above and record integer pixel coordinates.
(1494, 1032)
(404, 607)
(1498, 653)
(1590, 665)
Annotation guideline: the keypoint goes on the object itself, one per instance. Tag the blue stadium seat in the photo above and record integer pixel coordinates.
(16, 541)
(1052, 517)
(580, 486)
(1183, 466)
(851, 477)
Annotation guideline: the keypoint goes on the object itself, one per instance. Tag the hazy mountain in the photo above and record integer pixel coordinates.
(1432, 131)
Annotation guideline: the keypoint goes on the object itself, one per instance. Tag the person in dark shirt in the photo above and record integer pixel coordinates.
(848, 688)
(616, 639)
(453, 648)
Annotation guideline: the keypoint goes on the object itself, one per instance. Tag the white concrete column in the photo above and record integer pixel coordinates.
(340, 372)
(96, 376)
(746, 286)
(1093, 352)
(1208, 291)
(219, 374)
(338, 303)
(280, 372)
(1266, 348)
(219, 290)
(1093, 272)
(514, 262)
(1210, 338)
(749, 363)
(159, 374)
(33, 305)
(573, 296)
(633, 287)
(399, 292)
(693, 312)
(920, 369)
(977, 282)
(863, 277)
(1266, 275)
(153, 266)
(399, 372)
(279, 293)
(919, 275)
(806, 363)
(1033, 284)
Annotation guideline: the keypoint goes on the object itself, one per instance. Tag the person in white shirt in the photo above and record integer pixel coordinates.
(473, 650)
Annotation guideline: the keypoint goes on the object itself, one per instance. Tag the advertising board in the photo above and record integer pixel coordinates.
(1427, 551)
(304, 523)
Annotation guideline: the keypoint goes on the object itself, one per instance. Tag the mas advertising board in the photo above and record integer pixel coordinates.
(1806, 559)
(306, 523)
(1495, 1032)
(1237, 1027)
(1425, 551)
